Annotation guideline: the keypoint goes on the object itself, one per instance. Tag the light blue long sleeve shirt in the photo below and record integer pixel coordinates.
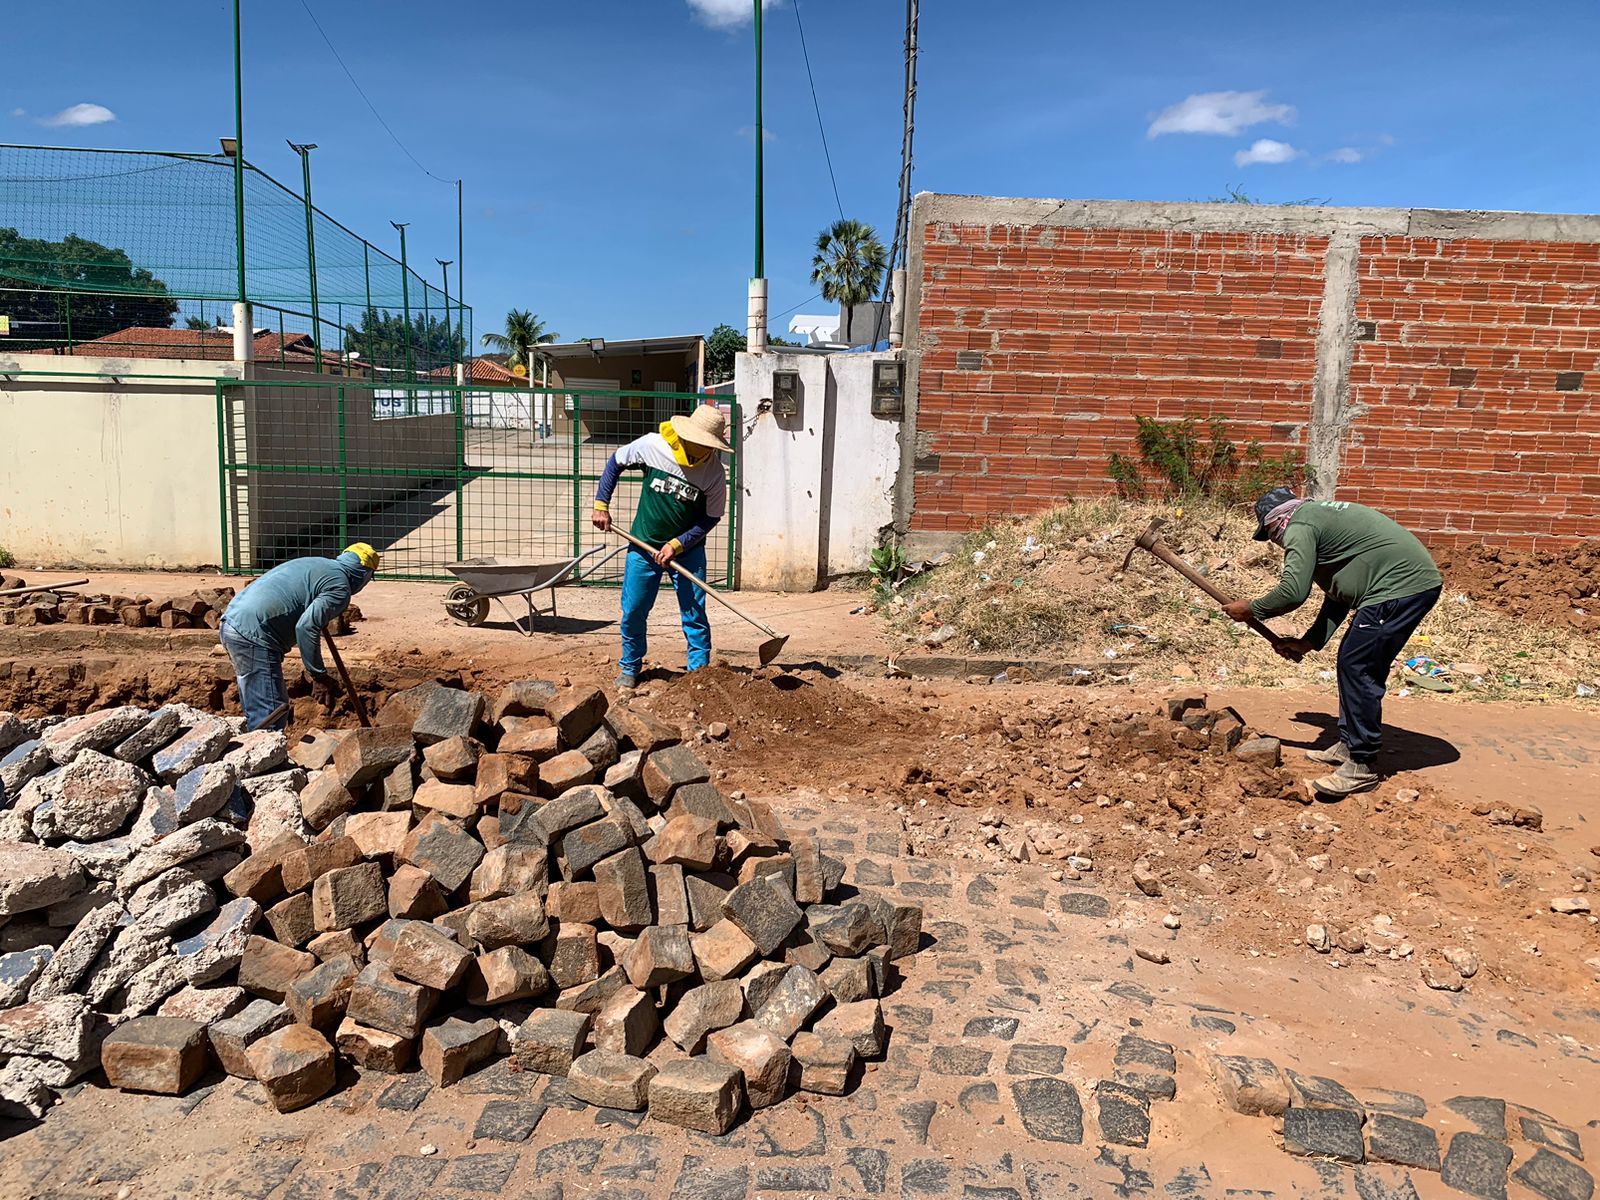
(290, 605)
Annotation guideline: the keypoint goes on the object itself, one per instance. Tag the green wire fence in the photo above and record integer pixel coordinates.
(126, 252)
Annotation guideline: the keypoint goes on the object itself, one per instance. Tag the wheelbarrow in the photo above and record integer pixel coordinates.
(486, 579)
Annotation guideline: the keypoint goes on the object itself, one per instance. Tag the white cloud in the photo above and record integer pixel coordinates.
(1219, 112)
(726, 14)
(748, 133)
(19, 112)
(1265, 150)
(79, 115)
(1346, 154)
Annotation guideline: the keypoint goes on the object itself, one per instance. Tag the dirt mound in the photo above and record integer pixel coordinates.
(1553, 588)
(796, 725)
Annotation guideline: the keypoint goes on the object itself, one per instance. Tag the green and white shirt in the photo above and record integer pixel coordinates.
(685, 488)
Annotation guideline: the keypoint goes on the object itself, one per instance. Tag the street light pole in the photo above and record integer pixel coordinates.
(304, 151)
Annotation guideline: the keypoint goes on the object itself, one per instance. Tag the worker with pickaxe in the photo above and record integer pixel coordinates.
(1364, 562)
(289, 607)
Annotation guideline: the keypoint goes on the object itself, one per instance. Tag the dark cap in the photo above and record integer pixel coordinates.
(1265, 505)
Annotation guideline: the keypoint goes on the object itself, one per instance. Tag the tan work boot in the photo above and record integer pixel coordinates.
(1334, 755)
(1350, 778)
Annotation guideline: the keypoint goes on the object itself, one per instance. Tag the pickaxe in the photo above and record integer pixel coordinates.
(1150, 540)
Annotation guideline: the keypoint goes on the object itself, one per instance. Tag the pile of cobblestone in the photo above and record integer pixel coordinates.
(542, 876)
(200, 609)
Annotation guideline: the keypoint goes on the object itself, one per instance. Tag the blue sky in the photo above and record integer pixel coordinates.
(607, 145)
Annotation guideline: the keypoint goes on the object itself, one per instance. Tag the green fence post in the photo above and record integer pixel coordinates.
(344, 479)
(733, 485)
(222, 474)
(577, 471)
(461, 470)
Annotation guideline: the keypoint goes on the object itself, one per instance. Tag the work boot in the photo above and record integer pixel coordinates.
(627, 683)
(1334, 755)
(1350, 778)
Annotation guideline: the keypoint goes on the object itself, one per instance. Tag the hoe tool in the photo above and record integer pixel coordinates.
(767, 651)
(1150, 540)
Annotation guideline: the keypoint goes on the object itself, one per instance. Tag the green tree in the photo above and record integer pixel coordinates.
(75, 290)
(381, 339)
(849, 264)
(525, 332)
(722, 344)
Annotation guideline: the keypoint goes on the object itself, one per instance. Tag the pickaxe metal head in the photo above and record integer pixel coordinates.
(1145, 540)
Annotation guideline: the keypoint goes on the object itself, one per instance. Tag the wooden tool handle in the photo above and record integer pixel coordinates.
(344, 678)
(1161, 551)
(693, 578)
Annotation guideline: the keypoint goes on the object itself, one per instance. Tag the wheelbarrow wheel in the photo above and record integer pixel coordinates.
(465, 606)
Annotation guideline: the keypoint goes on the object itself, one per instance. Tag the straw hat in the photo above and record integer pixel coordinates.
(706, 426)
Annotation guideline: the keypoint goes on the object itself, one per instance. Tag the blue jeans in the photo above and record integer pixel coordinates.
(641, 581)
(260, 673)
(1375, 638)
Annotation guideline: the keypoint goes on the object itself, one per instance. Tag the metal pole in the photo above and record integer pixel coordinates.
(461, 258)
(304, 151)
(405, 297)
(238, 150)
(761, 257)
(444, 269)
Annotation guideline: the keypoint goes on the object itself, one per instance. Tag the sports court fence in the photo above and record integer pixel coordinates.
(136, 253)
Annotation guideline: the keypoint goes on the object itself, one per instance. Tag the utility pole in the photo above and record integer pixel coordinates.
(756, 318)
(243, 320)
(304, 151)
(894, 281)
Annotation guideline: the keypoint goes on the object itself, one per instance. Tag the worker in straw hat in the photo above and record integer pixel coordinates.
(1367, 564)
(684, 495)
(290, 606)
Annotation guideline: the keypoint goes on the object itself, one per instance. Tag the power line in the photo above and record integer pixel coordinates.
(335, 52)
(828, 158)
(801, 305)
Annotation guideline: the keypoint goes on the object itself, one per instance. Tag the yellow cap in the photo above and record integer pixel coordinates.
(365, 554)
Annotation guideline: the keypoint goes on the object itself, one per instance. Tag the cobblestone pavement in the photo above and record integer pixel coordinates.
(1032, 1054)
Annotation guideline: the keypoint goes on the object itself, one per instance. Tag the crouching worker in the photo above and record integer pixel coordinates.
(685, 492)
(1362, 561)
(289, 606)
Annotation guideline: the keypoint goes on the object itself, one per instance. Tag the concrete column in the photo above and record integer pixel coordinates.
(1332, 412)
(756, 323)
(897, 309)
(244, 332)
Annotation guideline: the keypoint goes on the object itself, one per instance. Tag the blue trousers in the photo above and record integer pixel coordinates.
(260, 674)
(641, 582)
(1375, 637)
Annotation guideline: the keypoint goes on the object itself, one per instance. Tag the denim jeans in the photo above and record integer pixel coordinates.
(1376, 636)
(641, 581)
(260, 673)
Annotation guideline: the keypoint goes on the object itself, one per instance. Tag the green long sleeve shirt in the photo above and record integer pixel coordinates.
(1355, 554)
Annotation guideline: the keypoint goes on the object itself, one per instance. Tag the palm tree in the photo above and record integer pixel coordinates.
(524, 332)
(849, 264)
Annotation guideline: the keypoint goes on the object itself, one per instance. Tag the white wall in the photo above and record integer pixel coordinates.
(815, 489)
(97, 473)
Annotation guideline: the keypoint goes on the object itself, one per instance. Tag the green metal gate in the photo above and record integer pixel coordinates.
(432, 474)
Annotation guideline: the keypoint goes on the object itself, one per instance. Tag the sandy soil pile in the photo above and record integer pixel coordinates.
(1555, 588)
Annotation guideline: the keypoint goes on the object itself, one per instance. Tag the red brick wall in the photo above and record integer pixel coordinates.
(1039, 346)
(1478, 374)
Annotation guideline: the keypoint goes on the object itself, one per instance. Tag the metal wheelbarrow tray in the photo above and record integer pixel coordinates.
(486, 579)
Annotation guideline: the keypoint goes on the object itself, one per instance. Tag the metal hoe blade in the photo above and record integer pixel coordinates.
(771, 648)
